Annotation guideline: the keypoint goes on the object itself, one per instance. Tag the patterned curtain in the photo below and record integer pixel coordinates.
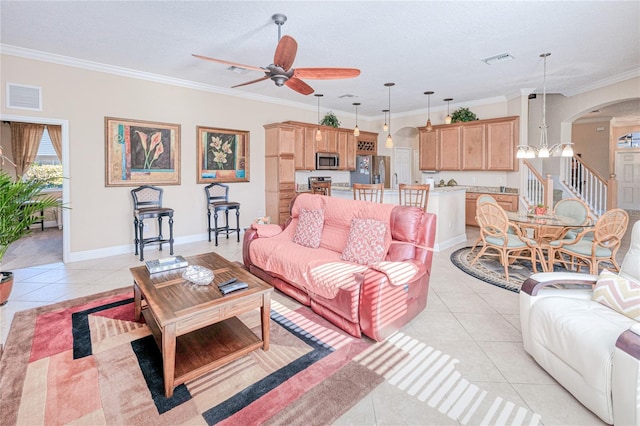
(25, 140)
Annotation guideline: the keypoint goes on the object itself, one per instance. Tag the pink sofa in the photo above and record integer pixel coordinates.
(374, 299)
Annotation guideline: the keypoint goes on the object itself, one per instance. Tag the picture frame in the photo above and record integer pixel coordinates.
(141, 152)
(223, 155)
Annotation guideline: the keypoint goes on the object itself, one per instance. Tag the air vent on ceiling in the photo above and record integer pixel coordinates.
(347, 96)
(503, 57)
(24, 97)
(238, 70)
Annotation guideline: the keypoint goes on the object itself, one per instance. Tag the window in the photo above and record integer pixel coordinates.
(630, 140)
(47, 165)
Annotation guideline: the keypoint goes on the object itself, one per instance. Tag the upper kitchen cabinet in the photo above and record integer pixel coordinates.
(428, 151)
(367, 144)
(487, 145)
(347, 144)
(305, 151)
(502, 139)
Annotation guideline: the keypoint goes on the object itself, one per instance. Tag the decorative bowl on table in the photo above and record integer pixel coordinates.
(198, 275)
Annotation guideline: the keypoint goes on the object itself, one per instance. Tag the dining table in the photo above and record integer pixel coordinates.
(544, 229)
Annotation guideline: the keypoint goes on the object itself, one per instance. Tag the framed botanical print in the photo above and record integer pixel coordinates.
(141, 152)
(223, 155)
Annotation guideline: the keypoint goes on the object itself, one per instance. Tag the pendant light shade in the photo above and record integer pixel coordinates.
(389, 143)
(447, 119)
(386, 126)
(544, 151)
(356, 130)
(429, 126)
(318, 132)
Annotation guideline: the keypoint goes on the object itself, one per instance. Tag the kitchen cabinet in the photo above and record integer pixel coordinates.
(483, 145)
(347, 150)
(367, 144)
(428, 151)
(449, 148)
(509, 202)
(280, 142)
(474, 147)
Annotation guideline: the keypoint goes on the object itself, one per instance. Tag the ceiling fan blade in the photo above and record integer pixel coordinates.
(222, 61)
(285, 52)
(299, 86)
(257, 80)
(326, 73)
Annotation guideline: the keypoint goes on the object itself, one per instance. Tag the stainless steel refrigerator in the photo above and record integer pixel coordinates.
(372, 169)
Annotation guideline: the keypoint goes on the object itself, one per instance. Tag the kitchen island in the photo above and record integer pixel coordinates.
(447, 203)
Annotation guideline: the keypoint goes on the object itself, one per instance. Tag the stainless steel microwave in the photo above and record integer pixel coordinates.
(327, 161)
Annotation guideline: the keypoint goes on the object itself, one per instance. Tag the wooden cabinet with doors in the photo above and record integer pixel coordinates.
(508, 202)
(483, 145)
(280, 143)
(347, 150)
(367, 144)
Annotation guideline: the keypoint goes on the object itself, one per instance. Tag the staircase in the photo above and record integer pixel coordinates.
(577, 179)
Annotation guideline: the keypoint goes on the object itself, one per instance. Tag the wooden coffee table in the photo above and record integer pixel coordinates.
(196, 327)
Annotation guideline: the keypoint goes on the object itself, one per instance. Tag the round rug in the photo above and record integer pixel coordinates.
(489, 269)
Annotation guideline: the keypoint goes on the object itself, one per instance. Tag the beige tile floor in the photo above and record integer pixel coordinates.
(474, 324)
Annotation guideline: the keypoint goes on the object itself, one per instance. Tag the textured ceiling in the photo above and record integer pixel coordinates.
(419, 45)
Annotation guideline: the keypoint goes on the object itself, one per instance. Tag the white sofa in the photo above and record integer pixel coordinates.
(590, 349)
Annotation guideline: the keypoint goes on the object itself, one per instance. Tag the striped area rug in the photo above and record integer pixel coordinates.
(86, 361)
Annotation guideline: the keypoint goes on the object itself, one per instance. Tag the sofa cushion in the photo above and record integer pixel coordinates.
(327, 278)
(579, 332)
(618, 293)
(365, 244)
(266, 230)
(309, 228)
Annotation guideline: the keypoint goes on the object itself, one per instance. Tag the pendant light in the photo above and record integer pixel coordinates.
(525, 151)
(447, 119)
(389, 143)
(385, 127)
(356, 131)
(318, 132)
(429, 126)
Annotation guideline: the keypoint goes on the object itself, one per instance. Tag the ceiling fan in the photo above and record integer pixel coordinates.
(280, 70)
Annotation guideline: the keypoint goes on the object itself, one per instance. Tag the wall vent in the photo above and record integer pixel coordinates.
(24, 97)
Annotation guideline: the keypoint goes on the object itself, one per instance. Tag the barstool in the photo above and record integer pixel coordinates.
(218, 200)
(147, 204)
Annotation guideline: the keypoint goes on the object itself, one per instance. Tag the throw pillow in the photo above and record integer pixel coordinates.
(618, 293)
(309, 229)
(365, 243)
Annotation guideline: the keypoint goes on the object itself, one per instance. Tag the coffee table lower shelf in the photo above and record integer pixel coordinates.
(206, 349)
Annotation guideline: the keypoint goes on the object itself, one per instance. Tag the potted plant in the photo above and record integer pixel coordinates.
(462, 115)
(330, 119)
(21, 202)
(540, 210)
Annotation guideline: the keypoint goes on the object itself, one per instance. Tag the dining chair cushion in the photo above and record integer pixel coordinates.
(513, 241)
(583, 248)
(309, 229)
(618, 293)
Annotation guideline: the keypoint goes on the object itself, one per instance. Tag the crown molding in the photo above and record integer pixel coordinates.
(634, 73)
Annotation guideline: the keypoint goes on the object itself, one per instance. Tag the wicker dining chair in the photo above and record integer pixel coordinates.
(592, 246)
(567, 207)
(495, 236)
(414, 195)
(368, 192)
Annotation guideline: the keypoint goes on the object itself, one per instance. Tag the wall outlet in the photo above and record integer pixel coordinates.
(473, 180)
(499, 180)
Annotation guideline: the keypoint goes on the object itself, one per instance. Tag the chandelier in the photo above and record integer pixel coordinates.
(526, 151)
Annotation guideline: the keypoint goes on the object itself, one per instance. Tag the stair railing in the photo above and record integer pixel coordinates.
(537, 189)
(585, 183)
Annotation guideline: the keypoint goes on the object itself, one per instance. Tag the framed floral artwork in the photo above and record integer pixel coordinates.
(141, 152)
(223, 155)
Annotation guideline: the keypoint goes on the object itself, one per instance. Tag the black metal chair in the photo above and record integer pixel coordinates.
(218, 200)
(147, 204)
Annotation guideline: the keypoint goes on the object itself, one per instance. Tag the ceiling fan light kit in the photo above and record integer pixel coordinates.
(545, 151)
(281, 71)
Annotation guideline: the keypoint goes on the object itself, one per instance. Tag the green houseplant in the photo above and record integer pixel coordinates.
(20, 204)
(462, 115)
(330, 119)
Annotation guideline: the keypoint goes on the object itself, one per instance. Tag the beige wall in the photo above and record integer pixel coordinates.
(593, 144)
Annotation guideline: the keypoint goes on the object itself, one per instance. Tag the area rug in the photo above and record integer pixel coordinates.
(88, 361)
(490, 270)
